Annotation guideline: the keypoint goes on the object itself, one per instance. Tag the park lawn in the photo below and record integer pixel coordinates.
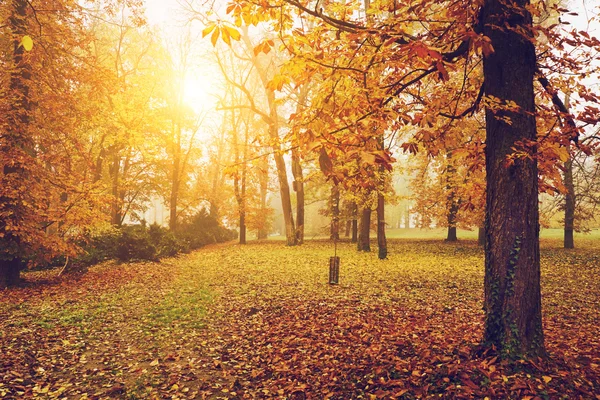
(260, 321)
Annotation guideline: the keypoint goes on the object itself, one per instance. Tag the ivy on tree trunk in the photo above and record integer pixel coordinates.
(513, 322)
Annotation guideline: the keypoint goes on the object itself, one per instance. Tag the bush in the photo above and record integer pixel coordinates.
(167, 244)
(101, 243)
(202, 229)
(136, 244)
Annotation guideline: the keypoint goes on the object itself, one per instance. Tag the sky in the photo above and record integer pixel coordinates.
(202, 81)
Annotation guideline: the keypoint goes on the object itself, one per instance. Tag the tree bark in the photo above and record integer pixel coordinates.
(264, 189)
(273, 121)
(451, 235)
(481, 236)
(569, 241)
(381, 239)
(451, 204)
(10, 272)
(354, 223)
(284, 192)
(173, 200)
(513, 321)
(334, 231)
(299, 188)
(115, 168)
(364, 240)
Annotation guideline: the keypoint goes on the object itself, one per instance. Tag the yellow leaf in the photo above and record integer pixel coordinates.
(546, 378)
(225, 35)
(215, 36)
(154, 363)
(209, 28)
(27, 43)
(234, 33)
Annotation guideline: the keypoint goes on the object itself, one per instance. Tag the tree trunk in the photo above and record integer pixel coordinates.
(451, 204)
(299, 188)
(451, 236)
(15, 144)
(569, 242)
(381, 239)
(364, 240)
(175, 179)
(334, 232)
(347, 228)
(513, 321)
(214, 203)
(286, 201)
(481, 236)
(264, 189)
(10, 272)
(407, 218)
(115, 210)
(354, 223)
(242, 227)
(273, 121)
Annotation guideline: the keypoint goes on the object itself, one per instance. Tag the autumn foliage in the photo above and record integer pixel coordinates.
(407, 327)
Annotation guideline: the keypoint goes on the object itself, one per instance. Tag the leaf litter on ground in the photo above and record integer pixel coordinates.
(260, 321)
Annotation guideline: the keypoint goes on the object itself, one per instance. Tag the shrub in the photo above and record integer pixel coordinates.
(136, 244)
(166, 243)
(202, 229)
(100, 244)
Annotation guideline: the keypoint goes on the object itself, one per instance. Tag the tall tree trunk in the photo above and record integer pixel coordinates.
(407, 218)
(569, 241)
(243, 188)
(214, 203)
(364, 240)
(347, 228)
(334, 229)
(451, 203)
(381, 239)
(273, 121)
(15, 143)
(286, 201)
(175, 177)
(354, 222)
(264, 190)
(299, 188)
(115, 168)
(481, 236)
(513, 320)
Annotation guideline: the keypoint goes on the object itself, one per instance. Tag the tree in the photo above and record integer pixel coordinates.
(47, 191)
(512, 259)
(373, 73)
(261, 64)
(15, 148)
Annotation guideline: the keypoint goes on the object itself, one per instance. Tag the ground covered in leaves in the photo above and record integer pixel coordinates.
(260, 321)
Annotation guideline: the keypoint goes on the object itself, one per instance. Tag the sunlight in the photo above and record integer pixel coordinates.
(199, 92)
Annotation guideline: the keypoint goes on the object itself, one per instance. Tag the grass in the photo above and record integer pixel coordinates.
(552, 234)
(260, 321)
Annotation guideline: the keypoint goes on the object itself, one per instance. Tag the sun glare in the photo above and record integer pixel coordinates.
(199, 92)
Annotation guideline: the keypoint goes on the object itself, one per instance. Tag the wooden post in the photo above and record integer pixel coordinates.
(334, 270)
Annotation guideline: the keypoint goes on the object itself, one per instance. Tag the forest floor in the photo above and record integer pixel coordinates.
(260, 321)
